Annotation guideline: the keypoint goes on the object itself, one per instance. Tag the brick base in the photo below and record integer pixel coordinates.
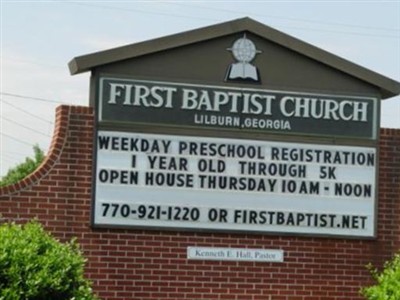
(143, 264)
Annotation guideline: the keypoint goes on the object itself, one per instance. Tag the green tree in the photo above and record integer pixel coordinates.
(387, 285)
(35, 266)
(22, 170)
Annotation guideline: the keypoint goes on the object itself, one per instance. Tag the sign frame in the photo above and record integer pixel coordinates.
(372, 236)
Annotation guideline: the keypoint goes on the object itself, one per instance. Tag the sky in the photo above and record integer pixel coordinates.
(39, 38)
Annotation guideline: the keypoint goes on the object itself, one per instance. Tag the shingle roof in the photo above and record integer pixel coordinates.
(84, 63)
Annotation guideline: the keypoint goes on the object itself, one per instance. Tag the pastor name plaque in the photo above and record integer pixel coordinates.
(235, 254)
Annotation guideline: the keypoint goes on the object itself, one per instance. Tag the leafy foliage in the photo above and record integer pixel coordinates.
(35, 266)
(22, 170)
(387, 282)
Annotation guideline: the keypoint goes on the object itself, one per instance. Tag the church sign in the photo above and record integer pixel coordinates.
(234, 127)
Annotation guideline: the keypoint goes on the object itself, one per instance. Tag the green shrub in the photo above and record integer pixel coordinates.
(22, 170)
(35, 266)
(387, 285)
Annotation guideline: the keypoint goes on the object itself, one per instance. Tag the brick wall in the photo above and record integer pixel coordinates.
(141, 264)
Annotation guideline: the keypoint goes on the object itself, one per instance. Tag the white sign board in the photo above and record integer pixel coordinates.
(166, 181)
(235, 254)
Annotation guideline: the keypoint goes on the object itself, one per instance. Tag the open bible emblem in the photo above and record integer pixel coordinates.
(244, 51)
